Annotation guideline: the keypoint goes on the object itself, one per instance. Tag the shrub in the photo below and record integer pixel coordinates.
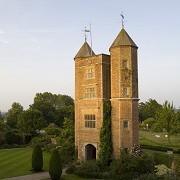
(53, 131)
(12, 137)
(151, 176)
(146, 163)
(163, 170)
(127, 163)
(131, 165)
(90, 169)
(42, 140)
(71, 169)
(177, 165)
(156, 148)
(161, 158)
(55, 165)
(37, 158)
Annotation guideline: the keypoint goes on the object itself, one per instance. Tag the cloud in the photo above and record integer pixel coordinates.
(4, 41)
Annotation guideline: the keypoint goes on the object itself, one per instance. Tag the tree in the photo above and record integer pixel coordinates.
(13, 113)
(31, 121)
(55, 165)
(37, 158)
(148, 109)
(166, 117)
(1, 116)
(67, 141)
(54, 107)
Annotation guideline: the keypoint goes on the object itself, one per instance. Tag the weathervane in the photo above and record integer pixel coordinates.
(122, 20)
(85, 35)
(85, 31)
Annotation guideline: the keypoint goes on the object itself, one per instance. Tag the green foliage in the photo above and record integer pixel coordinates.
(145, 163)
(52, 131)
(156, 127)
(54, 107)
(162, 158)
(55, 165)
(71, 169)
(149, 176)
(148, 109)
(149, 121)
(37, 159)
(89, 169)
(44, 141)
(12, 137)
(66, 141)
(1, 116)
(126, 163)
(4, 127)
(166, 117)
(31, 121)
(177, 165)
(105, 153)
(156, 148)
(13, 113)
(163, 170)
(129, 164)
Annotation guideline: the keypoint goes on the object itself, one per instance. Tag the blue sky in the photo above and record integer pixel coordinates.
(39, 39)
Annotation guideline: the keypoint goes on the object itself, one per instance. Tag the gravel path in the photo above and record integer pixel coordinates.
(35, 176)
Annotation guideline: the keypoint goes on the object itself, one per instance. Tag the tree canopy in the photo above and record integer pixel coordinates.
(167, 118)
(148, 109)
(31, 121)
(54, 107)
(13, 113)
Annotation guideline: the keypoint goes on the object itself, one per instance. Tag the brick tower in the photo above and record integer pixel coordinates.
(92, 88)
(124, 93)
(100, 78)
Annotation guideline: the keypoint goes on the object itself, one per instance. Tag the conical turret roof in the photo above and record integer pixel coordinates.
(84, 51)
(123, 39)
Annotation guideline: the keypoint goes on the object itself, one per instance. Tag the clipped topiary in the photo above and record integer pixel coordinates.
(55, 165)
(37, 158)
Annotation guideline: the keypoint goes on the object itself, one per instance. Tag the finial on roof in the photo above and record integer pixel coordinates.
(122, 20)
(89, 31)
(85, 31)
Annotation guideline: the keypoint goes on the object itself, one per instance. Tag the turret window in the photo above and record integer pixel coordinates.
(89, 73)
(124, 64)
(90, 120)
(125, 91)
(125, 124)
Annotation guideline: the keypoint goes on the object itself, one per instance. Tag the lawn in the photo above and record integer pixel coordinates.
(17, 162)
(149, 138)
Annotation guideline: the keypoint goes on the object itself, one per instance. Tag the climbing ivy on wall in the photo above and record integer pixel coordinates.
(105, 153)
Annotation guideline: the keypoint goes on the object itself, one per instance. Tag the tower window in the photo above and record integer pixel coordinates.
(124, 64)
(90, 92)
(125, 125)
(125, 91)
(89, 120)
(89, 73)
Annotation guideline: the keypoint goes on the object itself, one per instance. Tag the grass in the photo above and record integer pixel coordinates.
(71, 177)
(17, 162)
(149, 138)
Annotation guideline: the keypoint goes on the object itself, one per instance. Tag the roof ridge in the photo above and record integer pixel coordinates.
(85, 51)
(123, 38)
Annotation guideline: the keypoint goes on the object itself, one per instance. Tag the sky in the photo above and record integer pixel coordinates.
(39, 39)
